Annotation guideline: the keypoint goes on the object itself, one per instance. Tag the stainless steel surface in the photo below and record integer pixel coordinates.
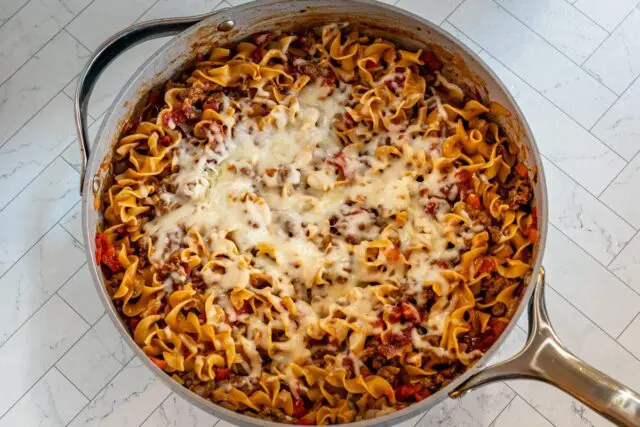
(546, 359)
(103, 56)
(226, 26)
(401, 26)
(260, 16)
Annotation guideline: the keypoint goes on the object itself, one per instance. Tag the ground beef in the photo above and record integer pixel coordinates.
(195, 94)
(213, 101)
(312, 69)
(246, 385)
(495, 233)
(173, 84)
(480, 216)
(499, 310)
(259, 110)
(520, 192)
(204, 389)
(494, 285)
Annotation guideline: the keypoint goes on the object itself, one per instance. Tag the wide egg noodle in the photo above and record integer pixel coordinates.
(317, 227)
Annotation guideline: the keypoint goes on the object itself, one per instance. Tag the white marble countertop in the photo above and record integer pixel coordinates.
(572, 65)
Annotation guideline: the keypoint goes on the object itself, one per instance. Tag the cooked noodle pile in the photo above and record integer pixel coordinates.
(316, 228)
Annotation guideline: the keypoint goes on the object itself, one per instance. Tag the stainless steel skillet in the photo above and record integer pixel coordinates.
(544, 358)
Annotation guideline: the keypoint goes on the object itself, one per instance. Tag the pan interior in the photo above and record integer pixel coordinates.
(377, 20)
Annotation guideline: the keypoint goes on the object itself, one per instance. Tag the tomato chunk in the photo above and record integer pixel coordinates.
(110, 259)
(153, 97)
(474, 200)
(534, 218)
(393, 254)
(246, 308)
(299, 410)
(521, 170)
(101, 242)
(160, 363)
(222, 374)
(487, 265)
(329, 81)
(395, 315)
(422, 394)
(491, 335)
(341, 162)
(409, 312)
(463, 175)
(431, 61)
(106, 254)
(260, 38)
(406, 391)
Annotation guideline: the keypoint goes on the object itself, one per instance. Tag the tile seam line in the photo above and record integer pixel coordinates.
(589, 192)
(569, 116)
(76, 239)
(23, 63)
(46, 372)
(46, 43)
(37, 111)
(621, 250)
(67, 302)
(103, 113)
(33, 115)
(615, 274)
(73, 308)
(66, 94)
(72, 383)
(2, 209)
(556, 49)
(617, 100)
(624, 18)
(424, 414)
(75, 142)
(91, 51)
(37, 240)
(625, 328)
(145, 11)
(15, 13)
(72, 236)
(515, 395)
(28, 183)
(617, 175)
(101, 389)
(591, 321)
(527, 400)
(573, 5)
(66, 30)
(592, 257)
(451, 13)
(39, 308)
(157, 407)
(65, 160)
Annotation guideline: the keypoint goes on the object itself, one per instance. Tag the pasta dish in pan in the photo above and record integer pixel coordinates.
(316, 227)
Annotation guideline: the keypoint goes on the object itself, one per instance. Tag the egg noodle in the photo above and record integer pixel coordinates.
(316, 228)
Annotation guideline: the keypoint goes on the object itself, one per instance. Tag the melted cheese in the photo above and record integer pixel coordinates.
(274, 185)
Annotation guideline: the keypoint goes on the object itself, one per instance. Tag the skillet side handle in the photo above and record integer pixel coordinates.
(104, 55)
(545, 358)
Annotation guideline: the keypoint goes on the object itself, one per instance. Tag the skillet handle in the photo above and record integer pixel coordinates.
(105, 54)
(545, 358)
